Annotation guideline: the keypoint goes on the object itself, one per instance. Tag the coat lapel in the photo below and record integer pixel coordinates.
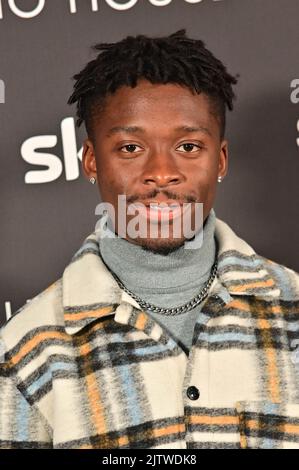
(90, 292)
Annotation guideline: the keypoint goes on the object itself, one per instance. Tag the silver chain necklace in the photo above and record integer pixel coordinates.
(176, 310)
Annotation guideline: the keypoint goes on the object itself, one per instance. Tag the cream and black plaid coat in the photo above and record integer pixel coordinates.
(85, 367)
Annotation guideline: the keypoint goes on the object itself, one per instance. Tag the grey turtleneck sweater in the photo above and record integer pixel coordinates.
(165, 281)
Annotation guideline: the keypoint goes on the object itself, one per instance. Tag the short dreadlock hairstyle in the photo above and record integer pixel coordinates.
(171, 59)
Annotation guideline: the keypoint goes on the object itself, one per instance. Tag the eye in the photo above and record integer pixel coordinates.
(189, 147)
(129, 147)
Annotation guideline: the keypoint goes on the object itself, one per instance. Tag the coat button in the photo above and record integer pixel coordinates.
(193, 393)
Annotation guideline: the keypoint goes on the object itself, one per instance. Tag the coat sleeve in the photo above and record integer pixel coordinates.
(21, 425)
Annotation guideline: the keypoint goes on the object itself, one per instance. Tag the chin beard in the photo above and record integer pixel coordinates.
(163, 249)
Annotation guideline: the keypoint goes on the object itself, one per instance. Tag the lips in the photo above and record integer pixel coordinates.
(161, 203)
(157, 211)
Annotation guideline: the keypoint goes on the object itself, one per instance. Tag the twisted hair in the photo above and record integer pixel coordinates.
(171, 59)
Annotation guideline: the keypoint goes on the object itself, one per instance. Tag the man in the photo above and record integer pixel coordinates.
(150, 341)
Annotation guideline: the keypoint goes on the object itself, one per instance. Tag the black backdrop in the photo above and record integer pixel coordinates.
(46, 213)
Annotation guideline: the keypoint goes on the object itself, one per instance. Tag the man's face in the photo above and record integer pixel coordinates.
(161, 160)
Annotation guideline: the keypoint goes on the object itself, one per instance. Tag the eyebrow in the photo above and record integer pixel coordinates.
(136, 129)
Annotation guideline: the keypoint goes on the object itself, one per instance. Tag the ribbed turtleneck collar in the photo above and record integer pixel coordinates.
(144, 271)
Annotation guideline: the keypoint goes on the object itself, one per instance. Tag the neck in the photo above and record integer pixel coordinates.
(143, 271)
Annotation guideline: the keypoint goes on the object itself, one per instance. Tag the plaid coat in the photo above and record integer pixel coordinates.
(85, 367)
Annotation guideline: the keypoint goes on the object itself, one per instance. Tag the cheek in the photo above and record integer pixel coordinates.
(199, 178)
(203, 185)
(113, 181)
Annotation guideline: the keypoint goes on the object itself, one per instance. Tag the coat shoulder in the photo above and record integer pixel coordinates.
(286, 279)
(41, 313)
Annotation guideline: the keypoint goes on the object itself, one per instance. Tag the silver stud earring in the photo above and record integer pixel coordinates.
(219, 179)
(92, 180)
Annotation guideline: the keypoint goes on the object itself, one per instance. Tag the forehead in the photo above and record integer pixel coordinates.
(157, 104)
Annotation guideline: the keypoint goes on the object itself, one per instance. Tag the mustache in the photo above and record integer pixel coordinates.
(168, 194)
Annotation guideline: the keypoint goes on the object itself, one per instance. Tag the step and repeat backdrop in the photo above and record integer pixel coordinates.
(47, 206)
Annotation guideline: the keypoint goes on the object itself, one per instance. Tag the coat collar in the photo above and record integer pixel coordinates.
(89, 291)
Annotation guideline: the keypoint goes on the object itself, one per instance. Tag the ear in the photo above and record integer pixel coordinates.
(88, 159)
(223, 159)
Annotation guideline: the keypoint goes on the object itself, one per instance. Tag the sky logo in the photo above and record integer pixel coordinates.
(2, 91)
(54, 166)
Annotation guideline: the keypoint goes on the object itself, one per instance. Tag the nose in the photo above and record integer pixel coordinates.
(161, 170)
